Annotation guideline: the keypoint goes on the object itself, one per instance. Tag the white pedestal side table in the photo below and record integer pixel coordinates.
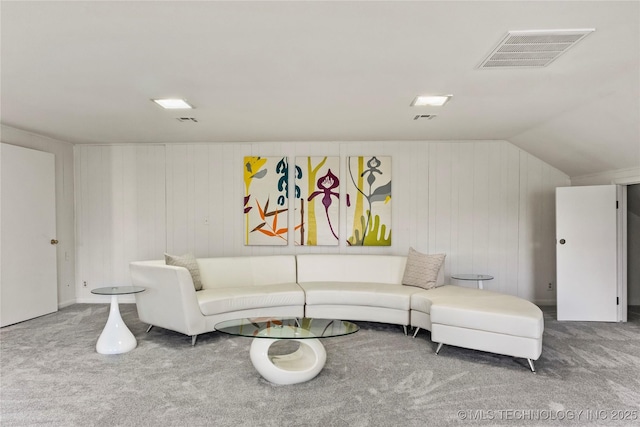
(475, 277)
(116, 338)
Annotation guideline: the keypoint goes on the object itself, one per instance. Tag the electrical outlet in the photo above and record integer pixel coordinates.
(84, 283)
(550, 288)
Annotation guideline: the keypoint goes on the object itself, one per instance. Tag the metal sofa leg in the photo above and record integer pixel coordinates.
(404, 327)
(149, 328)
(439, 347)
(416, 332)
(533, 369)
(193, 340)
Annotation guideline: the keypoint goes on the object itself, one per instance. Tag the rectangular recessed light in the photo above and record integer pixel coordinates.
(172, 103)
(430, 100)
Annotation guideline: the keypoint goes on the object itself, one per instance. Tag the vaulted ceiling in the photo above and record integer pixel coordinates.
(85, 72)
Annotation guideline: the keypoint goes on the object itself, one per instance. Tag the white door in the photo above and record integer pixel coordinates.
(28, 280)
(586, 233)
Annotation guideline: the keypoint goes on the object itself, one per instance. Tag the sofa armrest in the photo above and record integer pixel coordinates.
(169, 300)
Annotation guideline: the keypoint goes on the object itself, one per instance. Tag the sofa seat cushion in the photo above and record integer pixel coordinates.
(424, 299)
(489, 311)
(357, 293)
(224, 300)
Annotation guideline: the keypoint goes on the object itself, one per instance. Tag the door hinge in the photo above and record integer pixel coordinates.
(617, 205)
(617, 300)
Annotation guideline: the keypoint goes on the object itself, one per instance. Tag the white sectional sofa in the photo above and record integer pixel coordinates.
(348, 287)
(232, 287)
(357, 287)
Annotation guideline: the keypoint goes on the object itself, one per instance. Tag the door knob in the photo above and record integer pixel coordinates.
(562, 241)
(54, 242)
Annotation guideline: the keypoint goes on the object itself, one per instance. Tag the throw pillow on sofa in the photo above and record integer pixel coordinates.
(422, 270)
(189, 262)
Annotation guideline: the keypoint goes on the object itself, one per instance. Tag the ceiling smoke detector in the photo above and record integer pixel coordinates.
(532, 48)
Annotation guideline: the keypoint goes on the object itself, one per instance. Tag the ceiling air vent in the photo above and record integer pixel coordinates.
(532, 48)
(425, 116)
(187, 119)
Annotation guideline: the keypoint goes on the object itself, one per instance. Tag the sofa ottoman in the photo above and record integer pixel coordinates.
(480, 320)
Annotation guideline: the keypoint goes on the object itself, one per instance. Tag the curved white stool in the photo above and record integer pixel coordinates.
(302, 365)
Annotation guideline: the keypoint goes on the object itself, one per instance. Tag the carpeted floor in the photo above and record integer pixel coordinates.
(589, 374)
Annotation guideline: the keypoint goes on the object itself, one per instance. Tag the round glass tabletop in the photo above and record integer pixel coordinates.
(117, 290)
(287, 327)
(471, 276)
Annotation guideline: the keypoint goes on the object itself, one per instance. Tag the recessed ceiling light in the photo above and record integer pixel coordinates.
(172, 104)
(430, 100)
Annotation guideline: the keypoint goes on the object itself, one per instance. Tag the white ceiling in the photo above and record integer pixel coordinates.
(84, 72)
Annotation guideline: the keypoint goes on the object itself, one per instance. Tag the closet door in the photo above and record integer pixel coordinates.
(587, 259)
(28, 279)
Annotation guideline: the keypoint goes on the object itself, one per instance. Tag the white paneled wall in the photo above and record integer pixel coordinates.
(488, 205)
(121, 212)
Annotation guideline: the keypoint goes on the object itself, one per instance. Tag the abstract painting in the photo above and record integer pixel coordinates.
(266, 200)
(369, 201)
(317, 200)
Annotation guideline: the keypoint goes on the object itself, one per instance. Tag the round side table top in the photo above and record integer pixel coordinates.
(118, 290)
(471, 276)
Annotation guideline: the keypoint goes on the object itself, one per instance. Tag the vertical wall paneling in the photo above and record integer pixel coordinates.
(497, 216)
(177, 197)
(120, 208)
(466, 209)
(440, 197)
(215, 200)
(454, 164)
(201, 195)
(230, 208)
(481, 218)
(432, 220)
(513, 219)
(487, 205)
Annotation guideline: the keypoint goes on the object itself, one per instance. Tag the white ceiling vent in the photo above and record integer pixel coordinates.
(425, 116)
(532, 48)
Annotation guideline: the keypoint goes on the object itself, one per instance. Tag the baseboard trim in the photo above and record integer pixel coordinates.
(66, 303)
(545, 302)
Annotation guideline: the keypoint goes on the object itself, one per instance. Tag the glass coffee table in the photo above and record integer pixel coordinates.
(301, 365)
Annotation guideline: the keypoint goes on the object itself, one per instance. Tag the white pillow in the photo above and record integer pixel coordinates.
(422, 270)
(189, 262)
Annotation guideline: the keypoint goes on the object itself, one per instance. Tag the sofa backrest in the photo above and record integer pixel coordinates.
(351, 268)
(226, 272)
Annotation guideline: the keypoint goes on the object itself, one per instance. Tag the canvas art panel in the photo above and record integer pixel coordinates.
(369, 201)
(317, 200)
(266, 200)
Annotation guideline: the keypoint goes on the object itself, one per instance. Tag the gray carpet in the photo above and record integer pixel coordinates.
(51, 375)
